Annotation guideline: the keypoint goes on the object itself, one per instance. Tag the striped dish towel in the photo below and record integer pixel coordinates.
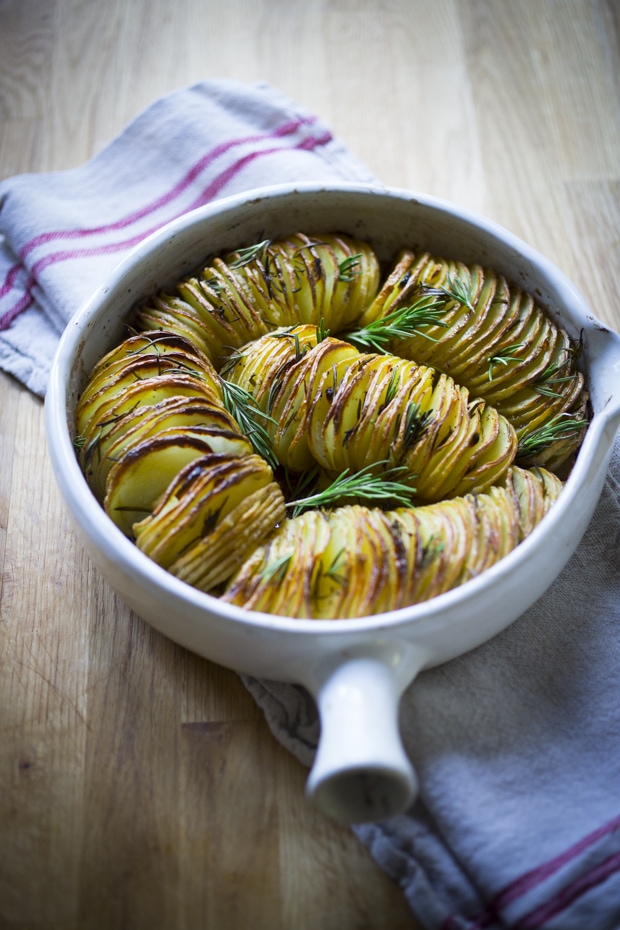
(62, 233)
(517, 745)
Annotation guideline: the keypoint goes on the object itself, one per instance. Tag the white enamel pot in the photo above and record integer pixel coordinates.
(358, 669)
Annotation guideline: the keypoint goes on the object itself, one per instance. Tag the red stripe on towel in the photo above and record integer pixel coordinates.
(165, 199)
(535, 877)
(209, 193)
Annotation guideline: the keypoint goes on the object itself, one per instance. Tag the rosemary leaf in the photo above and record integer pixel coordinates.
(348, 268)
(504, 357)
(549, 378)
(277, 570)
(243, 407)
(321, 332)
(232, 361)
(563, 426)
(431, 550)
(545, 387)
(416, 423)
(363, 484)
(299, 352)
(402, 323)
(454, 289)
(392, 388)
(245, 256)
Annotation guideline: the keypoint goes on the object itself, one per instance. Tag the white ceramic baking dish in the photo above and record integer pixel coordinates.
(356, 669)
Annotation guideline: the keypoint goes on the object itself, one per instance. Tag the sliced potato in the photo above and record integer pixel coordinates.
(355, 561)
(495, 341)
(137, 480)
(215, 557)
(197, 500)
(472, 391)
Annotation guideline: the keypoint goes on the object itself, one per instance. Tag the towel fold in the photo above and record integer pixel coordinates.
(517, 744)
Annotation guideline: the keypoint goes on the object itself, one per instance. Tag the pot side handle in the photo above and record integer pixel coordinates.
(361, 771)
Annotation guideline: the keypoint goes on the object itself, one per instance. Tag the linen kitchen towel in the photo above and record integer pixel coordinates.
(517, 744)
(517, 749)
(62, 233)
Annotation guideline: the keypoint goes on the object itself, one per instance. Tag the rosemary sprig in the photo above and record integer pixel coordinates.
(332, 572)
(252, 252)
(182, 368)
(243, 407)
(232, 361)
(431, 550)
(276, 281)
(392, 388)
(563, 426)
(321, 332)
(455, 289)
(306, 479)
(214, 282)
(299, 352)
(545, 384)
(402, 323)
(275, 572)
(330, 391)
(363, 484)
(415, 424)
(150, 342)
(274, 390)
(546, 389)
(504, 357)
(348, 268)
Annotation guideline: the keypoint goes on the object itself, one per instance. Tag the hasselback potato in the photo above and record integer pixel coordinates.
(244, 294)
(298, 430)
(355, 561)
(214, 513)
(494, 339)
(345, 409)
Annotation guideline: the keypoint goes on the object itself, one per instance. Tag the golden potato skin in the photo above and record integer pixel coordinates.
(355, 561)
(344, 409)
(243, 295)
(494, 340)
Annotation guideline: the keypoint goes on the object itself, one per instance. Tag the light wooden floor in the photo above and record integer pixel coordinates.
(139, 786)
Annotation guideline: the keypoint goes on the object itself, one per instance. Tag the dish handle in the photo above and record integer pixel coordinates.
(361, 771)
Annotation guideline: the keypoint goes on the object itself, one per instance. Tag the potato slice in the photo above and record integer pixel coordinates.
(116, 402)
(137, 481)
(170, 313)
(214, 558)
(214, 423)
(157, 344)
(197, 500)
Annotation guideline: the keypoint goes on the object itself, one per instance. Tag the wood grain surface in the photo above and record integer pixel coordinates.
(139, 785)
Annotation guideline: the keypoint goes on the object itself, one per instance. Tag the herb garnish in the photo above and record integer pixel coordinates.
(243, 407)
(563, 426)
(402, 323)
(363, 484)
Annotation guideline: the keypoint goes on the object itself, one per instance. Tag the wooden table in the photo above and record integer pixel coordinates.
(139, 785)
